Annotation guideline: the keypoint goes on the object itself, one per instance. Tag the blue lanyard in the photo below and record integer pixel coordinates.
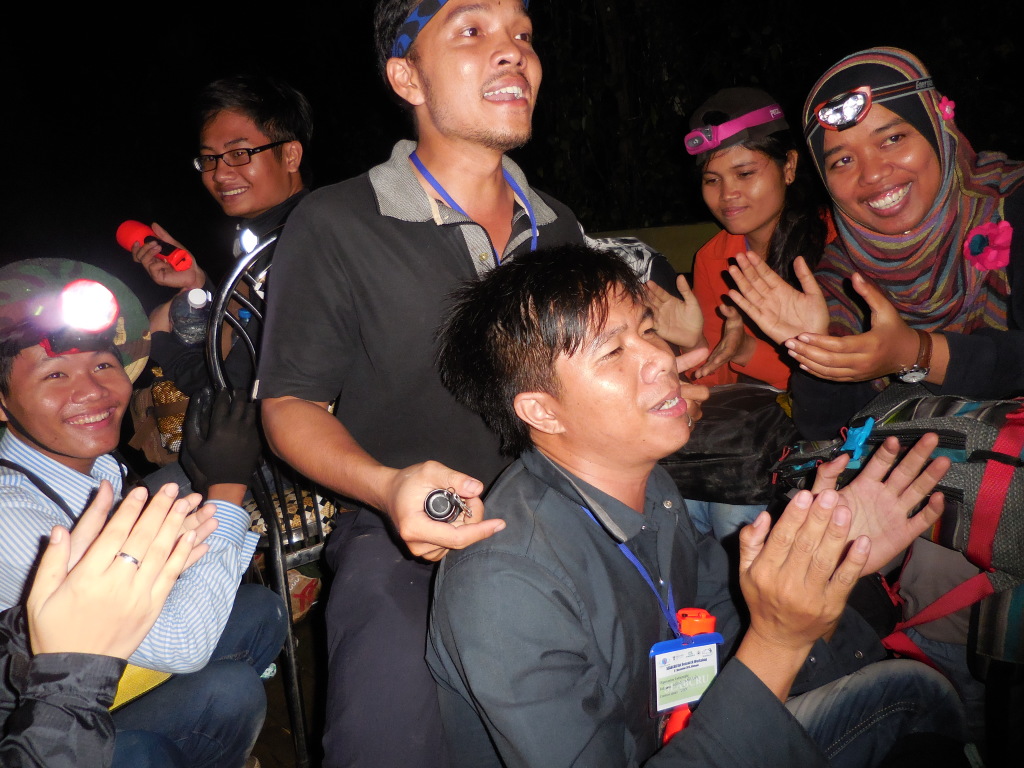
(668, 609)
(456, 207)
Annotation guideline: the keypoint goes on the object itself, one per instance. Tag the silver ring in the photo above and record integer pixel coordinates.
(129, 558)
(689, 421)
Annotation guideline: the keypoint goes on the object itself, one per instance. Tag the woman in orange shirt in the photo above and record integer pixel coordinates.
(753, 183)
(754, 186)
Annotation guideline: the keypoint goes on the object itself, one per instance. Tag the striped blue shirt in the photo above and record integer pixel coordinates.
(197, 609)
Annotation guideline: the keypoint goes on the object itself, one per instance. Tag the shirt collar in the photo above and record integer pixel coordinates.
(75, 488)
(267, 222)
(661, 494)
(400, 196)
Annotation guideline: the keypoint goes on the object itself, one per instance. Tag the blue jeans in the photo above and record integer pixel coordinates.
(720, 519)
(856, 720)
(211, 717)
(952, 659)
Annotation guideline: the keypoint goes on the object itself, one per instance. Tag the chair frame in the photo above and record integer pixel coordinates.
(284, 548)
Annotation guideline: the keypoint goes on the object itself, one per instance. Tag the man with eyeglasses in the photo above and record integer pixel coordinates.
(253, 131)
(360, 282)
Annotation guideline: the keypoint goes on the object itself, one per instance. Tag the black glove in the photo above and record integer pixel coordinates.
(220, 440)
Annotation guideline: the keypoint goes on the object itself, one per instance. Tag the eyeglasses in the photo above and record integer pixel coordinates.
(709, 137)
(233, 157)
(851, 107)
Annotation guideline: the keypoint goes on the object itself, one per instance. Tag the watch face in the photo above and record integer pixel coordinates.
(914, 375)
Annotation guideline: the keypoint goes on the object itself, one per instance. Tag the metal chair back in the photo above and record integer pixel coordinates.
(293, 514)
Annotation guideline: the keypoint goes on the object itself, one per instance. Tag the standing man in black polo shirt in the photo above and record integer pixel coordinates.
(361, 277)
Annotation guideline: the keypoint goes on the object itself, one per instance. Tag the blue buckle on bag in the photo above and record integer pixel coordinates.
(856, 437)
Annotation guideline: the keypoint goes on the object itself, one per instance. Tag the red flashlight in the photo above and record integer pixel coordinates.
(131, 232)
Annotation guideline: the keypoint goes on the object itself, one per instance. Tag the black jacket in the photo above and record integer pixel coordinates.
(53, 707)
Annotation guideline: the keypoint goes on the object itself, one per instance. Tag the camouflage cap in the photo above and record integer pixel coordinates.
(28, 286)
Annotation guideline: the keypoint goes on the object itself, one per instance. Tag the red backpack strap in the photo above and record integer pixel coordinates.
(962, 595)
(995, 484)
(901, 645)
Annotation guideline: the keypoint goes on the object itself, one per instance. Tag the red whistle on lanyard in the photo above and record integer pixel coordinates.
(131, 232)
(692, 621)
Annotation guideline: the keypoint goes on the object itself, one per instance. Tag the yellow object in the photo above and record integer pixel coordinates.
(136, 681)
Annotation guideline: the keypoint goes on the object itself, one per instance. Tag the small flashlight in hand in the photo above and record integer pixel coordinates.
(445, 505)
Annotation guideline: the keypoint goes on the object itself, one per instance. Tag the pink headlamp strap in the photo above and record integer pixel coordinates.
(711, 136)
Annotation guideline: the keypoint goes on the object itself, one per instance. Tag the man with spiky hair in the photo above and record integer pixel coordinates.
(556, 642)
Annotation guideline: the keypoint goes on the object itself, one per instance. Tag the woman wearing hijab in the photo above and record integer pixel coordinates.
(925, 283)
(921, 283)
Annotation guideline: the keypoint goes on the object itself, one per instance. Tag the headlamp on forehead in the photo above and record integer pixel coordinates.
(709, 137)
(850, 107)
(82, 317)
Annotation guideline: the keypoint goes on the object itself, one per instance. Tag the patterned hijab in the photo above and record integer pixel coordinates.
(924, 271)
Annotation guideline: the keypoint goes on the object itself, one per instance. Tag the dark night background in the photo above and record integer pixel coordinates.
(97, 123)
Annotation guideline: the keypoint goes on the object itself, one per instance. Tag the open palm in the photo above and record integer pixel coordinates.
(779, 309)
(882, 501)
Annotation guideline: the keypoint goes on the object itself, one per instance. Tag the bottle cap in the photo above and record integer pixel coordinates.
(197, 298)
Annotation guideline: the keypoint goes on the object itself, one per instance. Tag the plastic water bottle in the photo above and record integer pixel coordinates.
(189, 314)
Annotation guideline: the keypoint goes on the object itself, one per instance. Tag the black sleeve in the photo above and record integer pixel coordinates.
(989, 363)
(821, 408)
(54, 707)
(183, 364)
(984, 365)
(739, 722)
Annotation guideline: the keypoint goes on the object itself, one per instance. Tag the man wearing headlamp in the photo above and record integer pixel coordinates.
(72, 340)
(361, 277)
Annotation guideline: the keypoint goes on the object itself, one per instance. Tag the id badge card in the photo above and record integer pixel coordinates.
(682, 670)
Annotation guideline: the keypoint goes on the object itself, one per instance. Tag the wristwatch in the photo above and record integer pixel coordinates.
(919, 370)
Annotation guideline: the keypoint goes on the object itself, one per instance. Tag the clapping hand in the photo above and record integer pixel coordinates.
(779, 309)
(887, 346)
(678, 321)
(796, 578)
(733, 343)
(100, 588)
(882, 496)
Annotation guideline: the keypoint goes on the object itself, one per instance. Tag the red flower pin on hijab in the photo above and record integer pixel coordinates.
(988, 245)
(947, 108)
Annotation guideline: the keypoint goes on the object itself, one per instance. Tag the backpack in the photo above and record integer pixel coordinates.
(984, 493)
(731, 451)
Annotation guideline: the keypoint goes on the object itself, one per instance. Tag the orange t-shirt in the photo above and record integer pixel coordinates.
(710, 266)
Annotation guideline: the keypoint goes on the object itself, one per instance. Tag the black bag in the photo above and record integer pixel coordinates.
(729, 457)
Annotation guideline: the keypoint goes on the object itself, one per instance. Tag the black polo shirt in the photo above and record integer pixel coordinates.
(362, 275)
